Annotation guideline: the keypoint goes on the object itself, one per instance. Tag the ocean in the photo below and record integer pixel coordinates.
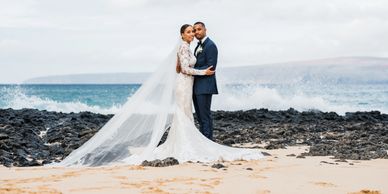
(108, 98)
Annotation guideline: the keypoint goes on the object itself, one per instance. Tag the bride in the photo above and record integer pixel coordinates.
(163, 102)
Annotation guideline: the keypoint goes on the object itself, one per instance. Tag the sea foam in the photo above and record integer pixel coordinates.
(16, 98)
(231, 98)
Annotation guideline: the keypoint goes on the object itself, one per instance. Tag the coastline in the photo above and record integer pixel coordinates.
(305, 152)
(31, 137)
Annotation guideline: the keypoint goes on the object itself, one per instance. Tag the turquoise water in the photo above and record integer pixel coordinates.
(340, 98)
(66, 98)
(92, 95)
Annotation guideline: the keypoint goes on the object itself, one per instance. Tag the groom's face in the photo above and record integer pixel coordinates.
(200, 31)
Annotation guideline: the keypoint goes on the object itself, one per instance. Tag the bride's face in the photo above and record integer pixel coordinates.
(188, 34)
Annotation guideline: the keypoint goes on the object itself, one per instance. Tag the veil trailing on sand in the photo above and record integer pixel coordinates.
(138, 127)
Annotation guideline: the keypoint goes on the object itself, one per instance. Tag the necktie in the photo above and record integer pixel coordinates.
(195, 50)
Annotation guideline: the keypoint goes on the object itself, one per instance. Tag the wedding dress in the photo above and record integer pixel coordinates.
(164, 101)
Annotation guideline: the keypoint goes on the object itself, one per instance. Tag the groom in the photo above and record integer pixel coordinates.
(204, 86)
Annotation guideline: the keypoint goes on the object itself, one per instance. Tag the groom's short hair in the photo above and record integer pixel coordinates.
(201, 23)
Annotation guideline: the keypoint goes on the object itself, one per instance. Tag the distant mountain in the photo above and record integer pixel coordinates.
(103, 78)
(323, 71)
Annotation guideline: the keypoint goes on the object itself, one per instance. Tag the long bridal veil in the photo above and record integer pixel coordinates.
(133, 134)
(138, 127)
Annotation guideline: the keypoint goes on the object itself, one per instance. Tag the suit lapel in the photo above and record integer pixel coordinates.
(195, 50)
(206, 41)
(203, 47)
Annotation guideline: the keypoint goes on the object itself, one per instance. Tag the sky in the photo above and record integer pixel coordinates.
(49, 37)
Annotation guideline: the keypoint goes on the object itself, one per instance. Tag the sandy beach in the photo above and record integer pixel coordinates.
(277, 173)
(118, 96)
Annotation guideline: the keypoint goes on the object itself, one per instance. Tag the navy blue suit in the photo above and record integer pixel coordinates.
(205, 86)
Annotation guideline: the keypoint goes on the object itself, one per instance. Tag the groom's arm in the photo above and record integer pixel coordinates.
(211, 57)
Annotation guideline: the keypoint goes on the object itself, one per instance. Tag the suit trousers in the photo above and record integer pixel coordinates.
(202, 104)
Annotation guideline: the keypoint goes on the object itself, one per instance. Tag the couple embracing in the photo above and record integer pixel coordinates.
(199, 66)
(196, 82)
(164, 101)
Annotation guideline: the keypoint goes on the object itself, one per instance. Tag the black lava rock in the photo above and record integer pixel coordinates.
(161, 163)
(30, 137)
(218, 166)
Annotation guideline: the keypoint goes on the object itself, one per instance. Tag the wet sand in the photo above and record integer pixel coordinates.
(277, 173)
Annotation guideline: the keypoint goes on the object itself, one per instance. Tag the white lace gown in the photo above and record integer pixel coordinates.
(184, 141)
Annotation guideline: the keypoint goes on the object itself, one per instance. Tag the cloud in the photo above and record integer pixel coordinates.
(45, 37)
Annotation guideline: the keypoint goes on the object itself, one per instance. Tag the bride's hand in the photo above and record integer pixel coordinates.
(208, 71)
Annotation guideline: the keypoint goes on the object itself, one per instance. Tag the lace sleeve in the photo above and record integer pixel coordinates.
(184, 59)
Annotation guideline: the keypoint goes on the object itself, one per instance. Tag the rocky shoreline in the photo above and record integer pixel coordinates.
(30, 137)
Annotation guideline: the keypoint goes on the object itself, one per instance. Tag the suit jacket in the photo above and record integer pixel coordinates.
(206, 58)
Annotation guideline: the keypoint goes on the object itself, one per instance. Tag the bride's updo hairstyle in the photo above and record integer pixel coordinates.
(183, 28)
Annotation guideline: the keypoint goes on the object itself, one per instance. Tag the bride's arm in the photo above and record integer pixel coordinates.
(184, 59)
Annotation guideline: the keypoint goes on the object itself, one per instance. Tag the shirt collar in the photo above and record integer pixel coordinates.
(203, 39)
